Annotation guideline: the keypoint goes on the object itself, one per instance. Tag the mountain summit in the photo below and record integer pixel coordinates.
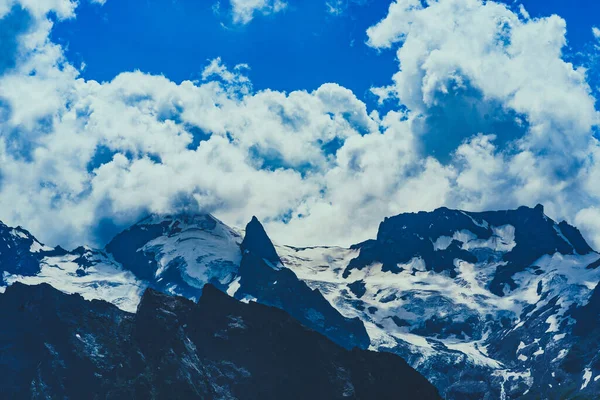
(517, 238)
(258, 243)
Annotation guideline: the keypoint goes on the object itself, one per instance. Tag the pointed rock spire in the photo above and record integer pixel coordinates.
(258, 243)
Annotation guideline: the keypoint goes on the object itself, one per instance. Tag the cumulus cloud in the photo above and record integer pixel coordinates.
(245, 10)
(488, 115)
(40, 8)
(81, 151)
(476, 71)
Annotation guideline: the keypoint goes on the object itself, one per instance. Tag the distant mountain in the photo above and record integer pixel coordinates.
(483, 304)
(92, 273)
(490, 305)
(20, 251)
(61, 346)
(180, 254)
(521, 236)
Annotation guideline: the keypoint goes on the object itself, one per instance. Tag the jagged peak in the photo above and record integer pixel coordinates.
(212, 296)
(151, 293)
(443, 220)
(518, 237)
(210, 291)
(155, 225)
(153, 300)
(257, 242)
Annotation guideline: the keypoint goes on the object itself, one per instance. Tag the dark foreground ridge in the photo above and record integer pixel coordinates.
(61, 346)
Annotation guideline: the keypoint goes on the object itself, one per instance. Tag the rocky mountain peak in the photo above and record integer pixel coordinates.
(515, 237)
(257, 242)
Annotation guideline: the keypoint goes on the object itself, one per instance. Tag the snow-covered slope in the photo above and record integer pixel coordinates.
(480, 303)
(178, 255)
(20, 252)
(88, 272)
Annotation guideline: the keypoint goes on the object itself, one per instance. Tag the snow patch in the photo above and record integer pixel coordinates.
(473, 353)
(36, 247)
(205, 253)
(587, 376)
(553, 322)
(507, 375)
(502, 240)
(18, 233)
(556, 338)
(561, 355)
(442, 243)
(233, 287)
(104, 280)
(247, 299)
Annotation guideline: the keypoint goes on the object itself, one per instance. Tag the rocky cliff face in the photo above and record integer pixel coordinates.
(61, 346)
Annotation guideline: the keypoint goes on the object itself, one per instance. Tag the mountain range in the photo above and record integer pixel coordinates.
(488, 305)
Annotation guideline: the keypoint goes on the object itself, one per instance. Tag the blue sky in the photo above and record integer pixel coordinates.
(299, 48)
(295, 111)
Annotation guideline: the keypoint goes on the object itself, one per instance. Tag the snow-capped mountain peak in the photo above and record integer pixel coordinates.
(513, 238)
(179, 253)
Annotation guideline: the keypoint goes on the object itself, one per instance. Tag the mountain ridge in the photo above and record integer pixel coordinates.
(469, 299)
(172, 347)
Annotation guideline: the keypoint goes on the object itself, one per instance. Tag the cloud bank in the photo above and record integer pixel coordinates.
(486, 114)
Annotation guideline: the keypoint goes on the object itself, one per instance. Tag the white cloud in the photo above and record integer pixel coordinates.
(319, 167)
(524, 13)
(262, 153)
(488, 57)
(216, 69)
(334, 7)
(40, 8)
(487, 46)
(245, 10)
(588, 219)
